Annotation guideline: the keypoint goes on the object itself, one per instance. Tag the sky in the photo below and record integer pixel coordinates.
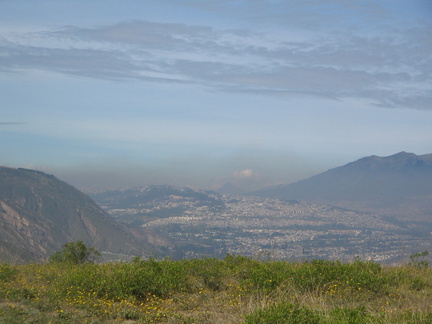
(125, 93)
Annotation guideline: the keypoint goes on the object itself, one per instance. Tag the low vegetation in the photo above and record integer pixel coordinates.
(76, 253)
(235, 289)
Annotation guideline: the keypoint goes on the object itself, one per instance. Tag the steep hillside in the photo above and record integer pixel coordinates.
(39, 213)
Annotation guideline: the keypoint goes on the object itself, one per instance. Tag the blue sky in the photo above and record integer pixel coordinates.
(121, 93)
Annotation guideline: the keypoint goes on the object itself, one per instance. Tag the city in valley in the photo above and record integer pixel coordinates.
(207, 224)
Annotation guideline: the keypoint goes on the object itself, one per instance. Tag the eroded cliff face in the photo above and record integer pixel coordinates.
(39, 213)
(20, 234)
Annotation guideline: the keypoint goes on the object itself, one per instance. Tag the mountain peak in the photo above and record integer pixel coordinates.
(230, 189)
(373, 178)
(401, 160)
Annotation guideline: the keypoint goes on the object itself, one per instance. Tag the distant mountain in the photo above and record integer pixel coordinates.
(140, 195)
(230, 189)
(39, 213)
(170, 200)
(373, 182)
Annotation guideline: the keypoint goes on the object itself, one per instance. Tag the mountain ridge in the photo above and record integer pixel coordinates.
(39, 213)
(372, 182)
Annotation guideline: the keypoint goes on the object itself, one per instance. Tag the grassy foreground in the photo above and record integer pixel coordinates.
(233, 290)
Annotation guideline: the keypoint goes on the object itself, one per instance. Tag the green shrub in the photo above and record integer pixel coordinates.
(7, 272)
(267, 276)
(238, 264)
(208, 273)
(119, 281)
(76, 253)
(158, 277)
(418, 284)
(21, 293)
(319, 275)
(419, 260)
(316, 276)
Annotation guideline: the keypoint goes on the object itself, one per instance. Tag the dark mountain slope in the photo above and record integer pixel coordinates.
(379, 181)
(39, 213)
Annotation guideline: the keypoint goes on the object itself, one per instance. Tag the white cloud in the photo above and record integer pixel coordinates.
(243, 174)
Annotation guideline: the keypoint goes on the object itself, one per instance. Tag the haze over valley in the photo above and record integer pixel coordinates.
(39, 213)
(384, 227)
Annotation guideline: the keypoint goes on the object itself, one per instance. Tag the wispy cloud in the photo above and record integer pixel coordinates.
(10, 123)
(390, 71)
(192, 92)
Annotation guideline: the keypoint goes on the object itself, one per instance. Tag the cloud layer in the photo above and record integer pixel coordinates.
(203, 93)
(388, 65)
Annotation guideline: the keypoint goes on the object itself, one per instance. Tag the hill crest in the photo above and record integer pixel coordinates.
(39, 213)
(372, 181)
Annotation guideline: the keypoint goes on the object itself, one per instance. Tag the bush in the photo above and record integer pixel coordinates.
(6, 272)
(136, 280)
(418, 260)
(319, 275)
(208, 273)
(76, 253)
(267, 276)
(316, 276)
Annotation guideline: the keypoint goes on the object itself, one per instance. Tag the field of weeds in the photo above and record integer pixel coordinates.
(235, 289)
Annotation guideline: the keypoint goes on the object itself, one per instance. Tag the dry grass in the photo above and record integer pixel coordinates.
(233, 290)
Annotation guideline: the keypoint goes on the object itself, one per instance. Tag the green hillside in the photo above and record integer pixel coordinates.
(233, 290)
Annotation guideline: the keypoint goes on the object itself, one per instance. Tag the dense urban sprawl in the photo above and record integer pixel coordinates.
(271, 228)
